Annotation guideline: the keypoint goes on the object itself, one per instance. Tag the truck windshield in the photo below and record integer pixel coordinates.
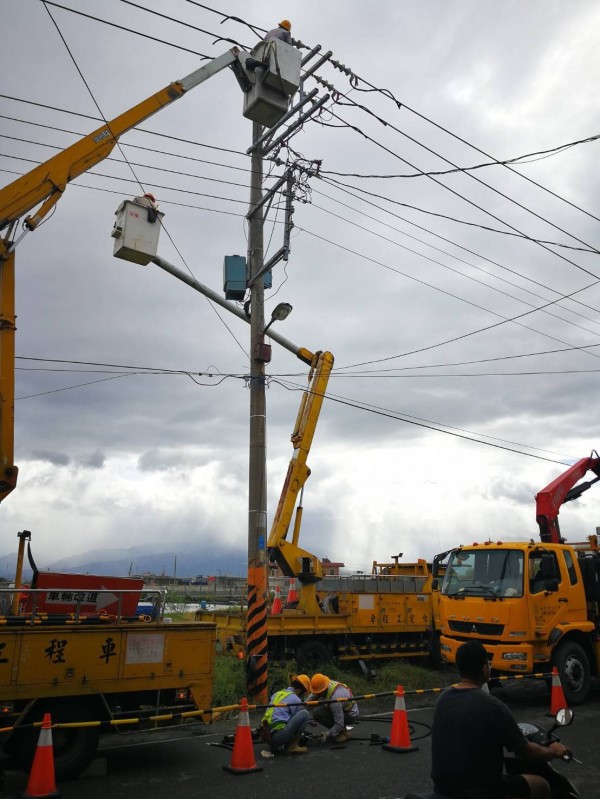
(494, 573)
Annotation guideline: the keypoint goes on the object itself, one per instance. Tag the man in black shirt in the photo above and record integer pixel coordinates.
(470, 730)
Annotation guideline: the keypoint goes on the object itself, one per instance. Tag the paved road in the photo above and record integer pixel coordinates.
(169, 765)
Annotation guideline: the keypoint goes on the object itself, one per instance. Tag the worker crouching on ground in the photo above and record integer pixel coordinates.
(336, 716)
(282, 31)
(283, 726)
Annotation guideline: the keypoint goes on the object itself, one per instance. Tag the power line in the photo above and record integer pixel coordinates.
(341, 187)
(400, 417)
(547, 153)
(68, 388)
(451, 269)
(462, 196)
(128, 367)
(123, 144)
(523, 236)
(146, 165)
(458, 272)
(370, 376)
(450, 294)
(128, 163)
(124, 28)
(389, 95)
(95, 173)
(180, 22)
(472, 362)
(80, 185)
(138, 129)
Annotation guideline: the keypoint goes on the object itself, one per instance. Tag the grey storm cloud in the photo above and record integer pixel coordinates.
(514, 491)
(95, 460)
(56, 458)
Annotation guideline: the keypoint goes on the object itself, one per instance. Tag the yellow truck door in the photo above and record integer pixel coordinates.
(557, 598)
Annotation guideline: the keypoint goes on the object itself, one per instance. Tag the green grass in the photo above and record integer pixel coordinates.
(230, 678)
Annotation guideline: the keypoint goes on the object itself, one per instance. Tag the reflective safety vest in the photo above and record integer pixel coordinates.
(349, 704)
(276, 699)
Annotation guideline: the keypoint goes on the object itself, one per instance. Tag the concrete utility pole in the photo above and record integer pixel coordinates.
(256, 632)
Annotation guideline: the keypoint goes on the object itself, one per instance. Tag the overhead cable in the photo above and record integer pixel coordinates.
(472, 202)
(503, 321)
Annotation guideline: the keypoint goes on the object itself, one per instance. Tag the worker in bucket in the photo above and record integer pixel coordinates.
(338, 716)
(282, 726)
(282, 31)
(148, 201)
(470, 730)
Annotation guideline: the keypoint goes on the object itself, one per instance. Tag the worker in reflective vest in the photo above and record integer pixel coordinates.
(283, 725)
(337, 716)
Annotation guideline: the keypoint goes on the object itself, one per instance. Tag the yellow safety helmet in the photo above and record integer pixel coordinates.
(303, 680)
(285, 23)
(319, 683)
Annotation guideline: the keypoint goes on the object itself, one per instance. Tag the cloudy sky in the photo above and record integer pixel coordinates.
(442, 296)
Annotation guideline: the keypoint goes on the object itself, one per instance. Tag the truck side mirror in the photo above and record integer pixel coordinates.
(564, 716)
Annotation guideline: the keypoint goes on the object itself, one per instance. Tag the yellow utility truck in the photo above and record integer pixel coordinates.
(121, 673)
(532, 605)
(82, 648)
(388, 613)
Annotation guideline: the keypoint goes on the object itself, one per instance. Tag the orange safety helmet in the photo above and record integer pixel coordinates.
(319, 683)
(150, 197)
(286, 24)
(303, 680)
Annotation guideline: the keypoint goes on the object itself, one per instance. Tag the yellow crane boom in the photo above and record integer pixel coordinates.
(289, 556)
(45, 184)
(47, 181)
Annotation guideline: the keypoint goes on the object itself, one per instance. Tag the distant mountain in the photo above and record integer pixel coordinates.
(136, 560)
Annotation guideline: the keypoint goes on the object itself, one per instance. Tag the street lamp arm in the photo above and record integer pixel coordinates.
(300, 352)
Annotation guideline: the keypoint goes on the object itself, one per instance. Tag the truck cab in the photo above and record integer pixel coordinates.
(532, 606)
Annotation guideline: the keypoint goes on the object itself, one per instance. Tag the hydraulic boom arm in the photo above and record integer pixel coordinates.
(45, 184)
(292, 559)
(561, 490)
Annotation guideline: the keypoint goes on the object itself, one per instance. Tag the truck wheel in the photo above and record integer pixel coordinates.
(574, 671)
(312, 655)
(73, 748)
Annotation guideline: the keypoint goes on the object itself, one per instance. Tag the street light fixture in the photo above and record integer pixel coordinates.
(279, 313)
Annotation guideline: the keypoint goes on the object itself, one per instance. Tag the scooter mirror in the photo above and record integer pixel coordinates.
(564, 717)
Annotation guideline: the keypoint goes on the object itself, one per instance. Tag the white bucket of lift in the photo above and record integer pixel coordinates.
(135, 235)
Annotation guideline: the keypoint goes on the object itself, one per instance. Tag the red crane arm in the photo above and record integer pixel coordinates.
(563, 489)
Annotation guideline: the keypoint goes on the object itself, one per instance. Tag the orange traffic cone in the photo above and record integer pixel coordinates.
(41, 783)
(292, 593)
(277, 606)
(399, 736)
(242, 757)
(557, 695)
